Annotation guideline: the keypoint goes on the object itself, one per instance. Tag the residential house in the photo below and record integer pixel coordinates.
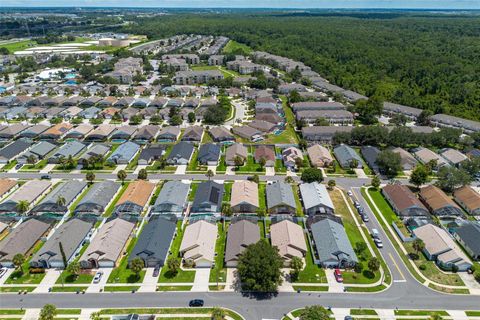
(334, 117)
(244, 197)
(346, 156)
(100, 133)
(145, 134)
(323, 134)
(261, 125)
(289, 87)
(12, 131)
(124, 153)
(151, 153)
(193, 133)
(425, 155)
(240, 235)
(69, 149)
(403, 201)
(79, 132)
(56, 132)
(267, 153)
(453, 157)
(66, 191)
(94, 150)
(288, 237)
(407, 161)
(469, 199)
(247, 132)
(98, 197)
(317, 105)
(197, 76)
(21, 240)
(390, 109)
(443, 120)
(280, 198)
(169, 134)
(198, 244)
(209, 154)
(124, 102)
(33, 131)
(181, 153)
(370, 154)
(37, 152)
(316, 199)
(123, 133)
(208, 198)
(30, 192)
(134, 199)
(154, 242)
(468, 235)
(290, 157)
(233, 151)
(65, 242)
(442, 249)
(90, 112)
(7, 186)
(172, 198)
(107, 247)
(320, 156)
(221, 134)
(438, 202)
(334, 249)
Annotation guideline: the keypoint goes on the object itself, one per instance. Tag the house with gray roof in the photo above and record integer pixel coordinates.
(233, 151)
(38, 151)
(247, 132)
(151, 153)
(390, 109)
(69, 149)
(90, 113)
(334, 250)
(154, 242)
(468, 236)
(71, 236)
(407, 161)
(68, 191)
(169, 134)
(444, 120)
(323, 134)
(14, 150)
(33, 131)
(316, 199)
(172, 198)
(94, 150)
(280, 198)
(208, 198)
(453, 157)
(94, 203)
(209, 154)
(370, 154)
(240, 235)
(21, 240)
(79, 132)
(345, 155)
(123, 132)
(15, 112)
(181, 153)
(221, 134)
(124, 153)
(12, 131)
(145, 134)
(197, 76)
(193, 134)
(30, 192)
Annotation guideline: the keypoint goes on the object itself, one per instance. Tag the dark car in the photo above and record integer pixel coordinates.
(46, 177)
(156, 271)
(196, 303)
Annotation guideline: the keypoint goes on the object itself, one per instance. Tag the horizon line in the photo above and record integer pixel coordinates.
(242, 7)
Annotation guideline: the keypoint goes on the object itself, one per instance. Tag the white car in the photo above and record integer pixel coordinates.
(350, 193)
(97, 277)
(378, 242)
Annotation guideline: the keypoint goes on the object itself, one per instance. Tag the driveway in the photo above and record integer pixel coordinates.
(119, 167)
(49, 167)
(51, 276)
(202, 278)
(360, 173)
(230, 170)
(333, 285)
(6, 275)
(269, 171)
(181, 169)
(140, 167)
(470, 282)
(95, 287)
(213, 168)
(149, 283)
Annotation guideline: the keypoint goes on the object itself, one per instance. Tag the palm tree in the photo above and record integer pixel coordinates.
(61, 201)
(262, 162)
(18, 261)
(31, 159)
(90, 176)
(122, 175)
(74, 268)
(62, 162)
(331, 184)
(209, 174)
(22, 206)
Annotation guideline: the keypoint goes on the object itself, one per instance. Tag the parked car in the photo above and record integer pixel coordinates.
(3, 271)
(196, 303)
(378, 242)
(98, 277)
(365, 218)
(156, 271)
(18, 166)
(338, 275)
(348, 318)
(361, 210)
(350, 194)
(46, 177)
(375, 234)
(357, 204)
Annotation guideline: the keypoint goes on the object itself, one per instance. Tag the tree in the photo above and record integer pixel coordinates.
(142, 174)
(255, 178)
(435, 316)
(476, 275)
(299, 162)
(173, 265)
(218, 314)
(302, 144)
(424, 118)
(418, 245)
(61, 201)
(312, 175)
(48, 312)
(360, 247)
(315, 313)
(239, 161)
(262, 162)
(95, 315)
(353, 164)
(122, 175)
(331, 184)
(227, 209)
(389, 163)
(74, 268)
(18, 261)
(90, 177)
(399, 120)
(191, 117)
(376, 182)
(62, 253)
(22, 206)
(259, 268)
(289, 179)
(209, 174)
(419, 175)
(31, 159)
(451, 178)
(176, 120)
(137, 265)
(296, 264)
(373, 264)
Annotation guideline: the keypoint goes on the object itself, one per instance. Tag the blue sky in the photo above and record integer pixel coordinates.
(428, 4)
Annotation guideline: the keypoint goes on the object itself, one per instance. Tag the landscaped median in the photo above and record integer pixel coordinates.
(431, 276)
(175, 313)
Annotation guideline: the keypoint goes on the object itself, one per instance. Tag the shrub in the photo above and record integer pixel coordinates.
(422, 267)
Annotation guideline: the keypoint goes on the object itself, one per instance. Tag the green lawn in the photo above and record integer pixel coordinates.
(111, 207)
(219, 273)
(354, 235)
(420, 312)
(251, 166)
(233, 46)
(19, 45)
(296, 194)
(68, 289)
(311, 288)
(11, 311)
(174, 288)
(196, 311)
(261, 226)
(122, 274)
(262, 200)
(120, 288)
(363, 312)
(193, 190)
(222, 166)
(34, 167)
(279, 167)
(19, 277)
(9, 165)
(69, 278)
(383, 205)
(365, 289)
(16, 289)
(181, 276)
(312, 273)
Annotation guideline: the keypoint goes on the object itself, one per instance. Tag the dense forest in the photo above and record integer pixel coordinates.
(425, 61)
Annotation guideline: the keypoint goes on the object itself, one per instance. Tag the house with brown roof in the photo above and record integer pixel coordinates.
(198, 244)
(80, 131)
(169, 134)
(7, 186)
(233, 151)
(262, 125)
(438, 202)
(469, 199)
(100, 133)
(288, 237)
(403, 201)
(407, 161)
(244, 197)
(134, 198)
(247, 132)
(221, 134)
(266, 152)
(240, 235)
(319, 156)
(56, 132)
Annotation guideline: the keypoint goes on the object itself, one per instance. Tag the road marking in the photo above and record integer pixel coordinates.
(399, 280)
(396, 266)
